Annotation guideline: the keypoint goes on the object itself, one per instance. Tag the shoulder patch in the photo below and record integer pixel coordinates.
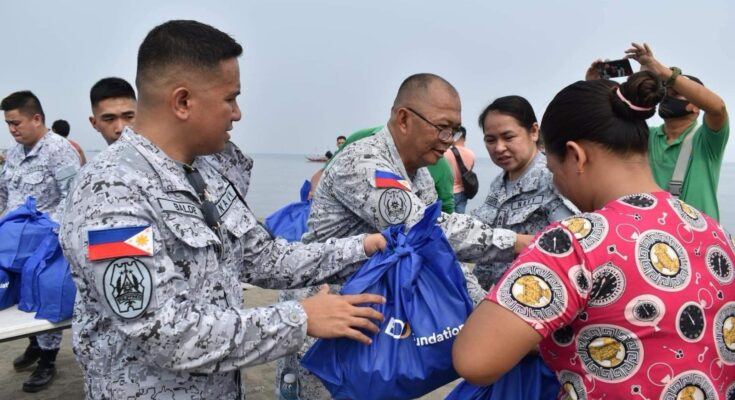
(120, 242)
(128, 286)
(394, 206)
(387, 179)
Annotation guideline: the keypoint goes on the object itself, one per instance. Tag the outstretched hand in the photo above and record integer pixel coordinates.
(333, 316)
(644, 55)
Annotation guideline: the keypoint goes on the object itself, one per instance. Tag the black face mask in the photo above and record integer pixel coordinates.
(671, 107)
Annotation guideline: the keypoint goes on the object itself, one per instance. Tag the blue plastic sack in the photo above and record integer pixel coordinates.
(426, 306)
(9, 289)
(54, 285)
(47, 286)
(22, 230)
(289, 222)
(530, 379)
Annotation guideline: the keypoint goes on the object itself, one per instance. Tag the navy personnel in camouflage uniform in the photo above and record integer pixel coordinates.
(159, 237)
(41, 165)
(382, 180)
(522, 198)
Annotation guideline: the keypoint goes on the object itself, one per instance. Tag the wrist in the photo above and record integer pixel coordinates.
(671, 76)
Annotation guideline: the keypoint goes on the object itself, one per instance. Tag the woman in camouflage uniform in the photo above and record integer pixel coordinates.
(522, 198)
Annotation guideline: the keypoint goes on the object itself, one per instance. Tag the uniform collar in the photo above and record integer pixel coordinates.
(20, 152)
(528, 182)
(386, 136)
(169, 171)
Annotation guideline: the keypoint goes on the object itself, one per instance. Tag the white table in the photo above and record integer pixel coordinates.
(16, 324)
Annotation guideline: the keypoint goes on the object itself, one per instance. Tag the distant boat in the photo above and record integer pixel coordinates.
(317, 158)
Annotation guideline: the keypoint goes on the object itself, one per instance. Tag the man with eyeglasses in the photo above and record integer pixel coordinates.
(383, 180)
(159, 238)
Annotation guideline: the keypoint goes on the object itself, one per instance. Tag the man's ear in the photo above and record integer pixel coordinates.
(93, 122)
(181, 102)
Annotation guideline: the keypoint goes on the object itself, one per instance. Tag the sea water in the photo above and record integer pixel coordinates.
(277, 178)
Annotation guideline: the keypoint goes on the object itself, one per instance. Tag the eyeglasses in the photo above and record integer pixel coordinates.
(445, 133)
(209, 209)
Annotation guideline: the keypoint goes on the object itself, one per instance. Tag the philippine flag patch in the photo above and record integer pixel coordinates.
(120, 242)
(386, 179)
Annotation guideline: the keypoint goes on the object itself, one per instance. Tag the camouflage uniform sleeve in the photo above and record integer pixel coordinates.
(353, 184)
(3, 189)
(185, 322)
(277, 264)
(65, 166)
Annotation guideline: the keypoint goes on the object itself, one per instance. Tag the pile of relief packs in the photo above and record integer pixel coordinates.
(33, 271)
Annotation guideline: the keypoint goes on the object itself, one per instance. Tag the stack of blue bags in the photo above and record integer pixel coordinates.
(33, 271)
(289, 222)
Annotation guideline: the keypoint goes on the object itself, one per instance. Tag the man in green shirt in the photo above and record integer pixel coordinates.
(685, 97)
(441, 171)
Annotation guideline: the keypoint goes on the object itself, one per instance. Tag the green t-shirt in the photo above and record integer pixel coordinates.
(703, 171)
(441, 172)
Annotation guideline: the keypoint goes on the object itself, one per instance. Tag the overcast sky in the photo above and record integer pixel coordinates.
(312, 70)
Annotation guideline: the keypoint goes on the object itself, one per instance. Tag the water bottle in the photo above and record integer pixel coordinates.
(289, 387)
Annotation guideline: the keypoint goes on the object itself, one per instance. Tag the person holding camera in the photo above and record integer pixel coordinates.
(685, 155)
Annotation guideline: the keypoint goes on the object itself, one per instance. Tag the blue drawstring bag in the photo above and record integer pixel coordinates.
(54, 285)
(22, 230)
(9, 289)
(426, 306)
(47, 286)
(289, 222)
(530, 379)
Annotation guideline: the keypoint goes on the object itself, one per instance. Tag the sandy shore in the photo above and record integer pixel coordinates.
(68, 384)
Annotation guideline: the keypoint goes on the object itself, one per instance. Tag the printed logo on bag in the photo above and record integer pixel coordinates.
(397, 329)
(128, 287)
(394, 206)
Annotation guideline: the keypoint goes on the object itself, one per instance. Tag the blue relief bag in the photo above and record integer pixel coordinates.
(530, 379)
(47, 286)
(9, 289)
(289, 222)
(22, 230)
(426, 306)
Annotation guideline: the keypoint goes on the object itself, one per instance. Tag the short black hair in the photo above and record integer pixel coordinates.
(186, 43)
(60, 127)
(603, 112)
(417, 85)
(110, 88)
(341, 137)
(25, 102)
(513, 106)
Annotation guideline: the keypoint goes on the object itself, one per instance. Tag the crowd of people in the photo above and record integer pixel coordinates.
(593, 246)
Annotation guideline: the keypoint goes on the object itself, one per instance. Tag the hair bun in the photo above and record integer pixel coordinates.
(637, 97)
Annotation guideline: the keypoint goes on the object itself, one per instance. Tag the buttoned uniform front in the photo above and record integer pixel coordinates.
(526, 205)
(45, 173)
(347, 202)
(192, 336)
